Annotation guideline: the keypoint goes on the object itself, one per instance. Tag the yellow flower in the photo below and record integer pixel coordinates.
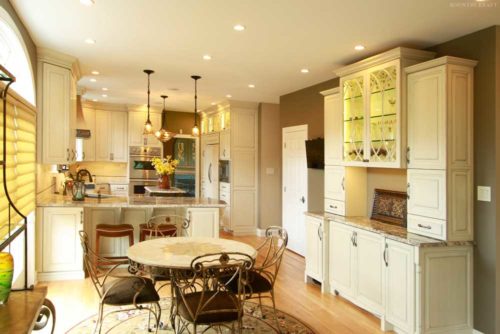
(164, 166)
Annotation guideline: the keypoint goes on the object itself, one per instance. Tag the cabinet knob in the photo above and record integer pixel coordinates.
(67, 157)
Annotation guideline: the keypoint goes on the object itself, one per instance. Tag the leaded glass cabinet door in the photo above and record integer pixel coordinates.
(384, 120)
(354, 119)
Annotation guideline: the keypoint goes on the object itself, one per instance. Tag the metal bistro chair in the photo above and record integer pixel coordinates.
(119, 290)
(203, 297)
(262, 277)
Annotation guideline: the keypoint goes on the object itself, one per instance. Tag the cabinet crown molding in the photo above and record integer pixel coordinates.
(446, 60)
(59, 59)
(330, 91)
(229, 103)
(396, 53)
(104, 106)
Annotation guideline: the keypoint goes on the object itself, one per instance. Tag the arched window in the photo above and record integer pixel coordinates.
(14, 57)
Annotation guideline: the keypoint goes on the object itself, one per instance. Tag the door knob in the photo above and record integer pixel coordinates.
(303, 200)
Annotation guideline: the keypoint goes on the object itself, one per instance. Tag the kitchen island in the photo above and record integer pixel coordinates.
(59, 220)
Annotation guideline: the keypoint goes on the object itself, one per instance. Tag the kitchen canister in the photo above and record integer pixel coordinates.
(6, 274)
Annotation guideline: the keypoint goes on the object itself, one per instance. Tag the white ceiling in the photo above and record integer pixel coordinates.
(282, 36)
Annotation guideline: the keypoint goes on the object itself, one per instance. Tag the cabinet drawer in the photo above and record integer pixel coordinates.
(224, 186)
(224, 196)
(335, 207)
(429, 227)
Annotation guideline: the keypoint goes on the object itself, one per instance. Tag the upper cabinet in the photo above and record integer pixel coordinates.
(56, 98)
(136, 120)
(371, 109)
(333, 127)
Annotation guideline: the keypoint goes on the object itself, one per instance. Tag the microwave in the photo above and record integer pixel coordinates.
(224, 171)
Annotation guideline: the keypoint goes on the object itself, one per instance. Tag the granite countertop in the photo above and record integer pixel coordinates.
(48, 199)
(158, 190)
(393, 232)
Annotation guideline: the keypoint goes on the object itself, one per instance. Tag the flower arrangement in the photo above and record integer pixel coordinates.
(165, 166)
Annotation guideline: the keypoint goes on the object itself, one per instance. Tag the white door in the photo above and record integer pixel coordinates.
(314, 254)
(211, 170)
(118, 128)
(427, 193)
(341, 259)
(369, 270)
(427, 119)
(102, 136)
(335, 182)
(295, 186)
(399, 285)
(62, 250)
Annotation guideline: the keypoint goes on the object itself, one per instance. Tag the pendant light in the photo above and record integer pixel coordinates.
(163, 134)
(148, 127)
(196, 130)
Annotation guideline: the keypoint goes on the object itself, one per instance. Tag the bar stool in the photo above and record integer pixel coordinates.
(154, 229)
(113, 231)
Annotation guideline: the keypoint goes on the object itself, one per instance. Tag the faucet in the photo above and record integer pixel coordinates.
(83, 171)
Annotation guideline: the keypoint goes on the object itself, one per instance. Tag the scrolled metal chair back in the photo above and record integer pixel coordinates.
(270, 252)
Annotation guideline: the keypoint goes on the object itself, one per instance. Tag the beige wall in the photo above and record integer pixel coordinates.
(269, 165)
(497, 140)
(384, 178)
(177, 122)
(483, 46)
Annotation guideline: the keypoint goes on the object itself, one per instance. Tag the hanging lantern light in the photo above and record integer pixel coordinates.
(196, 130)
(163, 134)
(148, 127)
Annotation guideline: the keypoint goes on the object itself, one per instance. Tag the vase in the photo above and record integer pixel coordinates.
(6, 274)
(164, 182)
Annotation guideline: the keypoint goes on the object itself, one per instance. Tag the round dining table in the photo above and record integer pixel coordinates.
(179, 252)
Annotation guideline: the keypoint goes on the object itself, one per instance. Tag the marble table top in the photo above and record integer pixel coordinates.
(179, 252)
(393, 232)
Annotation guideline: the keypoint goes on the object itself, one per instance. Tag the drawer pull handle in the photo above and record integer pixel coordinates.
(425, 226)
(333, 206)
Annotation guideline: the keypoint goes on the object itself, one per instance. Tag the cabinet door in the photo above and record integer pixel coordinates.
(333, 129)
(341, 259)
(354, 120)
(136, 121)
(314, 254)
(335, 182)
(225, 145)
(427, 193)
(203, 222)
(399, 285)
(118, 129)
(88, 144)
(56, 108)
(369, 270)
(427, 119)
(102, 136)
(62, 250)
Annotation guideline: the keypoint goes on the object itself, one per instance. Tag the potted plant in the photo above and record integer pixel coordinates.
(164, 168)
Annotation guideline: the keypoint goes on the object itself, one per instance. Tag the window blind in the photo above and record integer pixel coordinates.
(20, 164)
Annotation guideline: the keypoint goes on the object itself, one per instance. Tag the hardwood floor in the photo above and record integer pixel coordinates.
(325, 313)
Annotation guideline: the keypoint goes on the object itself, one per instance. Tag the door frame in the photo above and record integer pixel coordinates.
(285, 130)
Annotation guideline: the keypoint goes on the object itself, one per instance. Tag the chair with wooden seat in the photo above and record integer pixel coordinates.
(119, 290)
(158, 227)
(113, 231)
(202, 296)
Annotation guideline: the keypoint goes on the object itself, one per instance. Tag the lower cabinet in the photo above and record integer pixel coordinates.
(59, 252)
(203, 222)
(314, 248)
(413, 289)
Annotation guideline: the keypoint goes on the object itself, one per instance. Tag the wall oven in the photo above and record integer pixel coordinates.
(141, 170)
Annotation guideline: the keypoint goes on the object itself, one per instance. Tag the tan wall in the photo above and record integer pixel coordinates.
(177, 121)
(269, 165)
(483, 46)
(384, 178)
(497, 140)
(305, 106)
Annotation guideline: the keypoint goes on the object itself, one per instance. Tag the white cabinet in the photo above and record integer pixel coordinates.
(225, 195)
(225, 145)
(314, 248)
(60, 251)
(57, 103)
(335, 183)
(333, 127)
(399, 285)
(344, 186)
(86, 146)
(136, 120)
(342, 255)
(440, 148)
(203, 222)
(111, 136)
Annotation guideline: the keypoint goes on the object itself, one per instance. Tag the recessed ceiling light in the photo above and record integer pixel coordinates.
(213, 103)
(90, 41)
(229, 96)
(359, 47)
(87, 2)
(95, 100)
(104, 95)
(251, 86)
(93, 80)
(104, 88)
(239, 27)
(304, 70)
(95, 72)
(207, 57)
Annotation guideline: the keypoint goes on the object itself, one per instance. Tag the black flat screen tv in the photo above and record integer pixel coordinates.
(315, 153)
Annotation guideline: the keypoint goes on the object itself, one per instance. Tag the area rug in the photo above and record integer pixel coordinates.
(135, 322)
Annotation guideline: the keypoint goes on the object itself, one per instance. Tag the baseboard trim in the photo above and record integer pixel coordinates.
(475, 331)
(60, 276)
(261, 232)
